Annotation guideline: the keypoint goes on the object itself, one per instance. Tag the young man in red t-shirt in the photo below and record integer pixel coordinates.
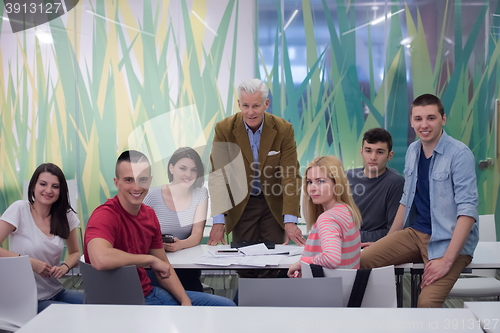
(123, 232)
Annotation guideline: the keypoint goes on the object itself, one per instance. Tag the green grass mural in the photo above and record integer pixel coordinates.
(78, 112)
(329, 101)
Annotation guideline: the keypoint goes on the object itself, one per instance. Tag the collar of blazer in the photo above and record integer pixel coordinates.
(266, 138)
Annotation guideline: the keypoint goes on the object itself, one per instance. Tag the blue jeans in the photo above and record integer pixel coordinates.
(190, 278)
(64, 296)
(159, 296)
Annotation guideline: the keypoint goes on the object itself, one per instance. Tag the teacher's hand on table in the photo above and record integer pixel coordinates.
(294, 233)
(217, 234)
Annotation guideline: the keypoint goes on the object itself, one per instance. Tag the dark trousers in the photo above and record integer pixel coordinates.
(257, 223)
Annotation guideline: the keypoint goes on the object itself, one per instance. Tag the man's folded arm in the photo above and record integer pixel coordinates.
(103, 256)
(170, 283)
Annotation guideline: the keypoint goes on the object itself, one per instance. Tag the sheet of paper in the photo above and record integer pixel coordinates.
(208, 259)
(225, 252)
(296, 252)
(291, 250)
(259, 256)
(261, 261)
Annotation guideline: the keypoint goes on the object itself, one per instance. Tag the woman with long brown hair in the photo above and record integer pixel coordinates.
(38, 228)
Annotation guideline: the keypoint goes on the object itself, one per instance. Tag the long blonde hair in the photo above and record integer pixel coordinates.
(335, 171)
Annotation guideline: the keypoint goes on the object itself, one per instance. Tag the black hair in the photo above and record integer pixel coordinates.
(378, 134)
(429, 99)
(59, 225)
(188, 152)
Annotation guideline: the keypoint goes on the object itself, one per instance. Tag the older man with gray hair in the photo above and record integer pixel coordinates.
(259, 202)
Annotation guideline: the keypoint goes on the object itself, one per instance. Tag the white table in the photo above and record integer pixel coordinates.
(184, 258)
(488, 313)
(142, 318)
(486, 255)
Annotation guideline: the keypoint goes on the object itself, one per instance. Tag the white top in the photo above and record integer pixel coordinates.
(27, 239)
(177, 223)
(86, 318)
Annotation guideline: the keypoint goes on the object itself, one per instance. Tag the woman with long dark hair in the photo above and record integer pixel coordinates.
(38, 228)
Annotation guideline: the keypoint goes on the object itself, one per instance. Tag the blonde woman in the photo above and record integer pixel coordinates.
(331, 216)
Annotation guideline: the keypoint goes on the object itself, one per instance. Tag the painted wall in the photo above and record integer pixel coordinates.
(338, 68)
(117, 73)
(106, 76)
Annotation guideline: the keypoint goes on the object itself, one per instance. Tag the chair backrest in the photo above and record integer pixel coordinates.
(325, 292)
(487, 233)
(72, 189)
(487, 228)
(114, 286)
(380, 290)
(18, 293)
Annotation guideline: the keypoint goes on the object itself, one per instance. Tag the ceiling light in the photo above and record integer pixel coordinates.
(380, 19)
(121, 24)
(203, 22)
(295, 12)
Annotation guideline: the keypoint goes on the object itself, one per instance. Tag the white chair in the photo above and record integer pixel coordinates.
(18, 294)
(380, 291)
(482, 282)
(325, 292)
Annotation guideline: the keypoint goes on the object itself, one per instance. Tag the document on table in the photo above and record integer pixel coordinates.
(255, 250)
(256, 261)
(261, 261)
(223, 253)
(208, 259)
(290, 250)
(254, 255)
(261, 249)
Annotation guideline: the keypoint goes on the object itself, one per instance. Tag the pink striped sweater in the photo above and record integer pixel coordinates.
(334, 241)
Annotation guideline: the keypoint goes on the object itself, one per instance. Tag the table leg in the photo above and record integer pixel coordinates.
(416, 278)
(399, 273)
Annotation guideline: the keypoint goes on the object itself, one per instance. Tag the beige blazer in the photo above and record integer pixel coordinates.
(278, 169)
